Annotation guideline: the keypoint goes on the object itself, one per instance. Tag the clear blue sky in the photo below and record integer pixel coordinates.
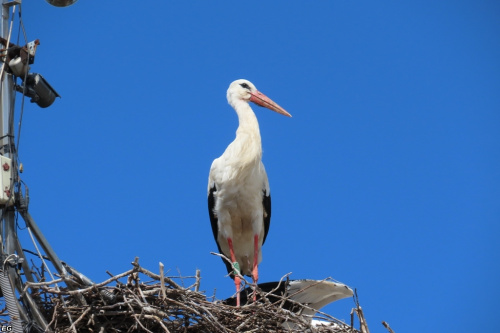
(387, 178)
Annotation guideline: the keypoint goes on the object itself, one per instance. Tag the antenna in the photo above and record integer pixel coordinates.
(15, 61)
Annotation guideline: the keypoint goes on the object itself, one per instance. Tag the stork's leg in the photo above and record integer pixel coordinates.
(255, 270)
(237, 280)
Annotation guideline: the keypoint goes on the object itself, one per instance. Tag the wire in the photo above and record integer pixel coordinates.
(21, 25)
(17, 222)
(41, 257)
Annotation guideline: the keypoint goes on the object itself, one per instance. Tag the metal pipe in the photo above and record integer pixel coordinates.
(7, 89)
(44, 243)
(35, 311)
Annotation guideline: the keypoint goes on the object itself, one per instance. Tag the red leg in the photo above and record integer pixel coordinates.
(237, 280)
(255, 270)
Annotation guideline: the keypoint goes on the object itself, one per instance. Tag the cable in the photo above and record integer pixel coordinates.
(41, 257)
(21, 25)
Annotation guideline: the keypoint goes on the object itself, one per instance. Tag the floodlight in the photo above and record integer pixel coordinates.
(40, 91)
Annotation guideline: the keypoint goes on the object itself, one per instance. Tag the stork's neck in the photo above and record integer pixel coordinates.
(248, 133)
(248, 124)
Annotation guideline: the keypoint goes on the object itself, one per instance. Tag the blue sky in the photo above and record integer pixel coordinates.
(386, 178)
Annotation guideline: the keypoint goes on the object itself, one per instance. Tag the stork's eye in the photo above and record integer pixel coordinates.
(245, 85)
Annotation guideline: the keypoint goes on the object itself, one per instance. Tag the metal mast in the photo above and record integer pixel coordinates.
(8, 234)
(22, 308)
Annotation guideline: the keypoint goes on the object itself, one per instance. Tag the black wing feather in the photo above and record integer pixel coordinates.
(211, 213)
(215, 227)
(266, 202)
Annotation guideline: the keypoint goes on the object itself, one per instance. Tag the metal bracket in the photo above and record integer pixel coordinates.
(31, 46)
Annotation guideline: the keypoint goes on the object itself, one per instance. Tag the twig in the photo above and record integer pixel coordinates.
(135, 315)
(73, 325)
(54, 316)
(97, 285)
(363, 326)
(158, 320)
(162, 281)
(386, 325)
(197, 284)
(156, 276)
(232, 265)
(39, 284)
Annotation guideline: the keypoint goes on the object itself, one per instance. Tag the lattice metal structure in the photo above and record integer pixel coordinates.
(22, 306)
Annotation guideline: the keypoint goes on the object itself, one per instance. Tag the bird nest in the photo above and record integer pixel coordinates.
(139, 300)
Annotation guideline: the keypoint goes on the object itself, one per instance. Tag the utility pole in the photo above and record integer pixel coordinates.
(8, 234)
(22, 308)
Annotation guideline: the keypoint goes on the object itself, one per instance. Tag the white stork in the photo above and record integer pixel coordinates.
(239, 201)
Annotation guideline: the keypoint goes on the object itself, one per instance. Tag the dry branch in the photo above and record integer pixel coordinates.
(386, 325)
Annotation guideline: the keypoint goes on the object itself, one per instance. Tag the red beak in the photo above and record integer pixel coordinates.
(262, 100)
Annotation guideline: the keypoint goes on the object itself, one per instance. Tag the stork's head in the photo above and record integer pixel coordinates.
(244, 90)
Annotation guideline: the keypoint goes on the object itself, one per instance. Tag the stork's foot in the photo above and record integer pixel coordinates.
(237, 281)
(236, 271)
(255, 278)
(255, 270)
